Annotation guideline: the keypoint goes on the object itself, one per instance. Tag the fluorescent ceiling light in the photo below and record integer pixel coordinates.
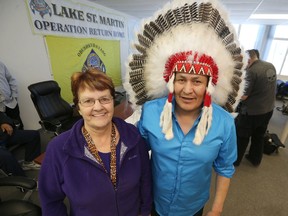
(269, 16)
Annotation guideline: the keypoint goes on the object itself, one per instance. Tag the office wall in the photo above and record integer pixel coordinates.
(281, 77)
(26, 56)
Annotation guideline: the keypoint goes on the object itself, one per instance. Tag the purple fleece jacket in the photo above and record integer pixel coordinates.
(68, 172)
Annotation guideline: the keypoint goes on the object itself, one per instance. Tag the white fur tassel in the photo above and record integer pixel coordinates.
(166, 120)
(170, 84)
(204, 125)
(166, 115)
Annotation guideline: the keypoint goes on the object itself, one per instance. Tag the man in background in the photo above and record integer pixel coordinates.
(8, 95)
(11, 136)
(257, 108)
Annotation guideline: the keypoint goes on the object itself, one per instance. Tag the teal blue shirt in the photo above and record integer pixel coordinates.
(182, 170)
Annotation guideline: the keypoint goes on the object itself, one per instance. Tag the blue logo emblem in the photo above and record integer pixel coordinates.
(41, 7)
(93, 60)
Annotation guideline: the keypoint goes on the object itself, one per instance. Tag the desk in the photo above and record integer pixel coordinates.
(40, 158)
(123, 110)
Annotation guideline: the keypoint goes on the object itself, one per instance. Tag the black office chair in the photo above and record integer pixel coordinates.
(19, 207)
(56, 114)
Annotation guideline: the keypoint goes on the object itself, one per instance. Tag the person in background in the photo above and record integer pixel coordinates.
(102, 164)
(8, 95)
(256, 53)
(257, 107)
(11, 136)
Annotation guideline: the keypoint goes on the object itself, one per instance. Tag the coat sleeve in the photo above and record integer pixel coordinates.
(146, 180)
(4, 119)
(223, 164)
(141, 127)
(50, 181)
(250, 80)
(12, 83)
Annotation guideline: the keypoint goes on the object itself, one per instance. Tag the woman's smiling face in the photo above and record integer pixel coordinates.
(97, 116)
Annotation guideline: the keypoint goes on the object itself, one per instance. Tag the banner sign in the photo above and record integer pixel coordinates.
(69, 55)
(67, 18)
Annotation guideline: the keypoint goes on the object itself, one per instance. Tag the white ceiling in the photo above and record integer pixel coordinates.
(239, 10)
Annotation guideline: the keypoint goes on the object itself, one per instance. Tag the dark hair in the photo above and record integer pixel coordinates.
(253, 52)
(92, 79)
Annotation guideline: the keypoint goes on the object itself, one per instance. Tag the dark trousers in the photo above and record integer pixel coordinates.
(9, 164)
(15, 115)
(29, 140)
(199, 213)
(254, 127)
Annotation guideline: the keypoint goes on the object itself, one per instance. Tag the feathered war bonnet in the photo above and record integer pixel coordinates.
(191, 37)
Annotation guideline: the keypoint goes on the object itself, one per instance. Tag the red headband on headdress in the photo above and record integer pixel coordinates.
(187, 62)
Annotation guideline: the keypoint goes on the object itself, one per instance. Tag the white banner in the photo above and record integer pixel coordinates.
(67, 18)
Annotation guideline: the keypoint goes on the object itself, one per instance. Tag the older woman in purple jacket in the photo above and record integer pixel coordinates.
(101, 165)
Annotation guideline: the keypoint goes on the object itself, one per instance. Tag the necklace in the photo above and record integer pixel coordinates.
(92, 148)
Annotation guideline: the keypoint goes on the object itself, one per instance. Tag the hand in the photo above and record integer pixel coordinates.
(7, 128)
(213, 213)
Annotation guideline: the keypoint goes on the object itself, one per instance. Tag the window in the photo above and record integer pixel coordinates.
(271, 41)
(278, 54)
(248, 35)
(279, 50)
(281, 31)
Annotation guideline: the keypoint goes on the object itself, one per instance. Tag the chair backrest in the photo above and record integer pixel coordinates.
(15, 205)
(48, 102)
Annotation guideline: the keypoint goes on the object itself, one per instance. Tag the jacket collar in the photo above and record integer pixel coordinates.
(75, 141)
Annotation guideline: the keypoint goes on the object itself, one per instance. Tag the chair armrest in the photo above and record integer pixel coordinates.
(51, 125)
(21, 181)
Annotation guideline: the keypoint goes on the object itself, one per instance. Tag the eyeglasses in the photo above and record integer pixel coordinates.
(91, 101)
